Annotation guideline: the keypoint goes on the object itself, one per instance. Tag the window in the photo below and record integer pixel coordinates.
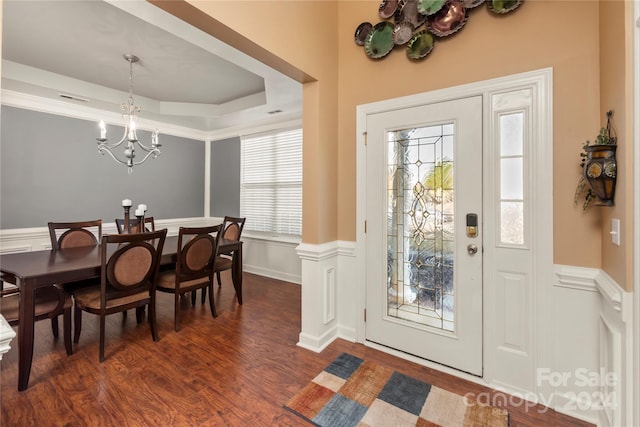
(271, 182)
(512, 178)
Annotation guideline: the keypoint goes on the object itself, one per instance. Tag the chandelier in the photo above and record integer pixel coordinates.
(129, 138)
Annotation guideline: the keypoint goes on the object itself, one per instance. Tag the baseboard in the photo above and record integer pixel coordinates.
(274, 274)
(317, 344)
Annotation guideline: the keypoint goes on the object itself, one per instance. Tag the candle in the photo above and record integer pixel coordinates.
(142, 207)
(103, 130)
(126, 202)
(139, 212)
(132, 130)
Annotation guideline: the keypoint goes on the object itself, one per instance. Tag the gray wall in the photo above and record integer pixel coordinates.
(225, 177)
(50, 170)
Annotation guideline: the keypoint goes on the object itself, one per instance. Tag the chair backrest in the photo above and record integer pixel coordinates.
(130, 263)
(233, 227)
(133, 224)
(75, 234)
(197, 250)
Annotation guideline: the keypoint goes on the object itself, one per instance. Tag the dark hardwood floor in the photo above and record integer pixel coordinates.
(236, 370)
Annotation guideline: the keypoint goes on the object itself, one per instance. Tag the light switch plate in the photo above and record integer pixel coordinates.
(615, 231)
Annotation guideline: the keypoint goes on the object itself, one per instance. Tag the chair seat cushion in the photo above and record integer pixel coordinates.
(167, 280)
(47, 300)
(90, 298)
(222, 263)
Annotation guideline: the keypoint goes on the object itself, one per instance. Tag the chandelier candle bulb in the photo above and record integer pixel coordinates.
(103, 130)
(126, 202)
(142, 207)
(139, 212)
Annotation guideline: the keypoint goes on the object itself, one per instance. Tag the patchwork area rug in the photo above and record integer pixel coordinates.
(354, 392)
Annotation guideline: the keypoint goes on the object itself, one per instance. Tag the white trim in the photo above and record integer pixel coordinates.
(579, 278)
(635, 49)
(60, 108)
(37, 238)
(317, 253)
(207, 178)
(12, 98)
(610, 290)
(283, 122)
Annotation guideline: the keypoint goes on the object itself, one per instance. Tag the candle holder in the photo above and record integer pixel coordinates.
(140, 222)
(127, 223)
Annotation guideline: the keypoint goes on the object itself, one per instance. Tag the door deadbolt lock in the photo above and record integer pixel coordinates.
(472, 249)
(472, 225)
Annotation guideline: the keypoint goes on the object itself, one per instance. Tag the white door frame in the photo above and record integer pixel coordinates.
(542, 152)
(636, 209)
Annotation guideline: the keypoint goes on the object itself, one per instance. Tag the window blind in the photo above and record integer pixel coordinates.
(271, 182)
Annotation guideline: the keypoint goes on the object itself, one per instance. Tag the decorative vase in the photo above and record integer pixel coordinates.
(600, 172)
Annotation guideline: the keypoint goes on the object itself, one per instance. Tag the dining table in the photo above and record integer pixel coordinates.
(36, 269)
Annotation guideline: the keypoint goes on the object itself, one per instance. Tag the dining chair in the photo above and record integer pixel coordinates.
(75, 234)
(128, 277)
(196, 254)
(149, 222)
(50, 303)
(233, 227)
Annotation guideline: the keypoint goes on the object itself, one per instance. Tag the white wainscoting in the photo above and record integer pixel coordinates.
(592, 347)
(272, 256)
(328, 293)
(37, 238)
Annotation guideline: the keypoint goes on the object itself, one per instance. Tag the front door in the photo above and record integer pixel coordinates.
(424, 232)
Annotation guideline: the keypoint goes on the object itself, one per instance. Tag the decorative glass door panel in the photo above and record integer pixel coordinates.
(421, 225)
(423, 267)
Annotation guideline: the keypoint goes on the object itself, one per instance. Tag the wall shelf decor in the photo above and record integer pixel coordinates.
(597, 183)
(441, 18)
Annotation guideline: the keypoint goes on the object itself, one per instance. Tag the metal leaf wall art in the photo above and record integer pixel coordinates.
(419, 24)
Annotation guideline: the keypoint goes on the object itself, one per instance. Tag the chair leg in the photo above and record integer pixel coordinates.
(102, 326)
(139, 314)
(54, 326)
(176, 304)
(66, 319)
(204, 295)
(211, 301)
(152, 320)
(77, 323)
(218, 277)
(193, 297)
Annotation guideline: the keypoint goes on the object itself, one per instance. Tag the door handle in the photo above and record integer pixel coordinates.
(472, 249)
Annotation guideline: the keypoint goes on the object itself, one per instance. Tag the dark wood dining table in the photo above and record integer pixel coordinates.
(32, 270)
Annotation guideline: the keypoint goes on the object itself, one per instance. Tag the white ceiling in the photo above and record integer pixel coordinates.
(184, 77)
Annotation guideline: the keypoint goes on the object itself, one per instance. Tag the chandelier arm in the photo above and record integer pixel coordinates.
(154, 152)
(104, 149)
(146, 148)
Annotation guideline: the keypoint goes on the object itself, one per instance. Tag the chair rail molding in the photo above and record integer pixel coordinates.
(37, 238)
